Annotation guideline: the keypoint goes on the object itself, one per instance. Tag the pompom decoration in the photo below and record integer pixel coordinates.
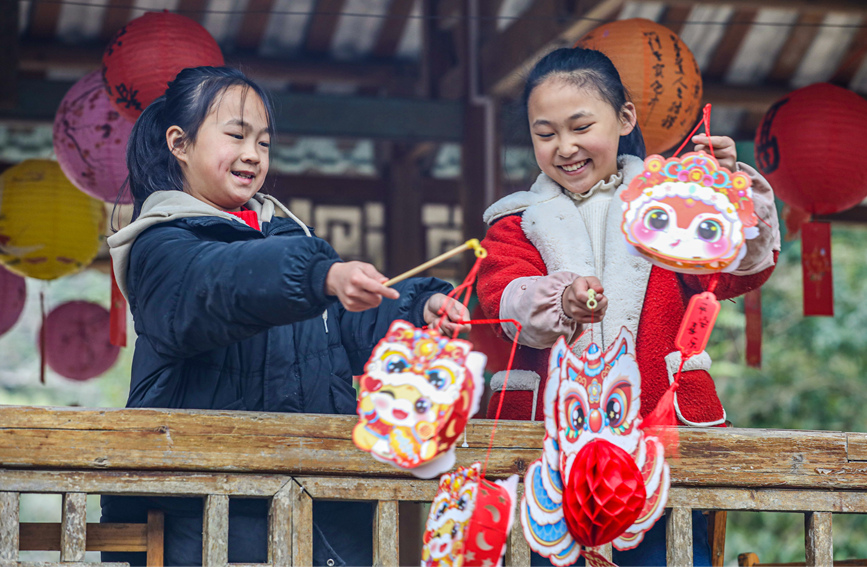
(803, 148)
(90, 138)
(689, 214)
(48, 228)
(470, 520)
(13, 295)
(601, 477)
(659, 73)
(148, 52)
(76, 340)
(418, 391)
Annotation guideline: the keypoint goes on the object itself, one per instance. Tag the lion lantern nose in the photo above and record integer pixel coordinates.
(594, 421)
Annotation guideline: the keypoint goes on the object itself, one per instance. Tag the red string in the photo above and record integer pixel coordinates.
(705, 119)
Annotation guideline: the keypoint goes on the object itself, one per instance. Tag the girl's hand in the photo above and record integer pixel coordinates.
(723, 148)
(357, 285)
(575, 300)
(455, 311)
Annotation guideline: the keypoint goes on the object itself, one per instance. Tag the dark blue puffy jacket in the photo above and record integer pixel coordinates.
(229, 317)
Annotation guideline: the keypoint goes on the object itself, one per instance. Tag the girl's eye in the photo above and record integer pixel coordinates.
(545, 135)
(237, 136)
(656, 219)
(582, 128)
(709, 230)
(265, 144)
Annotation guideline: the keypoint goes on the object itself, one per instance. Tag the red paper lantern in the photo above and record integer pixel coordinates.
(804, 148)
(13, 294)
(90, 139)
(147, 53)
(604, 494)
(660, 73)
(76, 340)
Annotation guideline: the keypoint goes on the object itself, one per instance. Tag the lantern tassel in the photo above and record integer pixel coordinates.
(117, 319)
(42, 337)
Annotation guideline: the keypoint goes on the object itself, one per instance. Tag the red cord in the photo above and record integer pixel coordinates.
(705, 119)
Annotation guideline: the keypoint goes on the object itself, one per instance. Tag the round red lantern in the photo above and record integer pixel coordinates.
(76, 340)
(90, 139)
(13, 294)
(604, 495)
(147, 53)
(660, 74)
(804, 147)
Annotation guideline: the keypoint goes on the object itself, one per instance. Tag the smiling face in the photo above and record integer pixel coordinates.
(227, 163)
(576, 133)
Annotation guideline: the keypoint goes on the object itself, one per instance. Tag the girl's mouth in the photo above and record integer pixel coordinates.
(244, 175)
(573, 167)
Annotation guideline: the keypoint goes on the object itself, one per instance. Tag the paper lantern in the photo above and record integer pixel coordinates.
(48, 228)
(601, 477)
(148, 52)
(13, 295)
(90, 138)
(76, 340)
(804, 149)
(470, 520)
(660, 74)
(418, 391)
(689, 214)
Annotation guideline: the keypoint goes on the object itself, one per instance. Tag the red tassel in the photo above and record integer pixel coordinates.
(662, 422)
(42, 338)
(117, 312)
(753, 312)
(816, 269)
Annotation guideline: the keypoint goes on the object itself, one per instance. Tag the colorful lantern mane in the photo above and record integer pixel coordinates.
(418, 391)
(689, 214)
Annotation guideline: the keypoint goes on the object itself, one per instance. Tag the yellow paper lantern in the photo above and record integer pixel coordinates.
(48, 228)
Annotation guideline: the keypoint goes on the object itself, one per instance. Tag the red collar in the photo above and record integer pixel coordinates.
(248, 216)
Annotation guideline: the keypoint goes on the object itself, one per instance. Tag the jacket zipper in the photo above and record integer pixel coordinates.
(325, 320)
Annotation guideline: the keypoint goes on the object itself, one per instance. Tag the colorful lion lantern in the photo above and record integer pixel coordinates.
(470, 520)
(600, 478)
(418, 391)
(689, 214)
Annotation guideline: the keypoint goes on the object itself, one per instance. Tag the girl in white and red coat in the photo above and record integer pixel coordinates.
(549, 245)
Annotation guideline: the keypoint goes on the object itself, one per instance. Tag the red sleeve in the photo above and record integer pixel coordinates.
(730, 285)
(510, 256)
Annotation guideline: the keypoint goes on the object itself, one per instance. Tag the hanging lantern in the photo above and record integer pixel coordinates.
(90, 138)
(815, 125)
(601, 477)
(659, 73)
(76, 340)
(13, 294)
(470, 520)
(48, 228)
(148, 52)
(417, 393)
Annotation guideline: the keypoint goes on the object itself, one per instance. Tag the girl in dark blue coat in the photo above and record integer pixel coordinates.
(237, 305)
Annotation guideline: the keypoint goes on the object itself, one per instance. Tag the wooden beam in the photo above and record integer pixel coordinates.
(675, 17)
(393, 28)
(253, 24)
(796, 46)
(9, 54)
(735, 32)
(298, 113)
(321, 28)
(804, 6)
(44, 56)
(506, 58)
(43, 20)
(852, 60)
(117, 14)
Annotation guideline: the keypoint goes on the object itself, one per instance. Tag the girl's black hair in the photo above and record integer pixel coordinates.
(186, 103)
(588, 68)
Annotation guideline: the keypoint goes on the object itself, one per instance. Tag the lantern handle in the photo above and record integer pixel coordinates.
(705, 119)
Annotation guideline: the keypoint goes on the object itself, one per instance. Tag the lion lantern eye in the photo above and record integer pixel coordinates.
(395, 364)
(656, 219)
(422, 405)
(709, 230)
(439, 378)
(617, 406)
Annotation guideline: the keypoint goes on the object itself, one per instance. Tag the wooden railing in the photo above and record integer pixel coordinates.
(293, 459)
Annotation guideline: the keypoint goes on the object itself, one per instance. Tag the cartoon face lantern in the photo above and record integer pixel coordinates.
(470, 520)
(417, 394)
(689, 214)
(600, 477)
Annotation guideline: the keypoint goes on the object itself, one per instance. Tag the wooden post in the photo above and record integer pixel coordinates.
(404, 232)
(9, 54)
(9, 526)
(386, 552)
(302, 526)
(215, 538)
(280, 526)
(517, 550)
(818, 539)
(678, 537)
(74, 525)
(156, 541)
(716, 527)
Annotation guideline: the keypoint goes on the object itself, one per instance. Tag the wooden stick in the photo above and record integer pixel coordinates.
(432, 262)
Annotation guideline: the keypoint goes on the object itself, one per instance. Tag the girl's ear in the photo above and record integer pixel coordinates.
(628, 118)
(177, 144)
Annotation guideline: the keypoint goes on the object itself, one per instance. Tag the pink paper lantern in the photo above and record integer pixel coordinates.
(76, 340)
(90, 138)
(13, 294)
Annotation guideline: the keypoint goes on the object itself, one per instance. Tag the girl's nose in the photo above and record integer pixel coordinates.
(568, 147)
